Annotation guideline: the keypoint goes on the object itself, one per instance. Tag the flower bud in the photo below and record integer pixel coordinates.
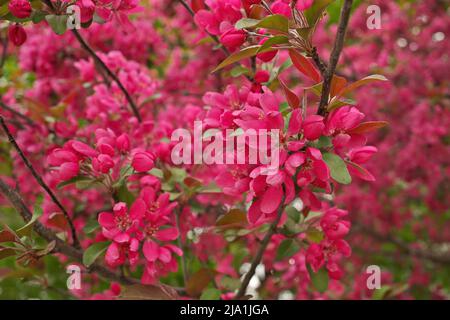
(142, 162)
(313, 127)
(20, 8)
(17, 34)
(233, 38)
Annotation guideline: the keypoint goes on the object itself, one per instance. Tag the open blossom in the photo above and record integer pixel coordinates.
(333, 225)
(120, 226)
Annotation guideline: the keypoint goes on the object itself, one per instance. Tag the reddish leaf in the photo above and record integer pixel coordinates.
(7, 236)
(199, 281)
(233, 218)
(368, 126)
(57, 220)
(148, 292)
(361, 82)
(291, 97)
(6, 252)
(192, 182)
(337, 84)
(304, 65)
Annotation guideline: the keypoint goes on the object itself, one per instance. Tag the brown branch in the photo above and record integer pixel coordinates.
(108, 71)
(419, 253)
(216, 40)
(262, 248)
(334, 57)
(49, 235)
(5, 42)
(40, 181)
(17, 113)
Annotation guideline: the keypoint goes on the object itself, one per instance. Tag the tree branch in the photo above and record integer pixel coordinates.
(262, 248)
(108, 71)
(334, 57)
(419, 253)
(49, 235)
(17, 113)
(40, 181)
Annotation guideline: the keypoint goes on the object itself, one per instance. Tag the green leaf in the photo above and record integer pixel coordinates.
(91, 226)
(246, 23)
(235, 57)
(313, 15)
(38, 16)
(37, 212)
(123, 194)
(269, 43)
(338, 168)
(157, 173)
(314, 235)
(10, 17)
(293, 213)
(211, 294)
(58, 23)
(210, 188)
(287, 248)
(273, 22)
(239, 71)
(319, 279)
(93, 252)
(73, 180)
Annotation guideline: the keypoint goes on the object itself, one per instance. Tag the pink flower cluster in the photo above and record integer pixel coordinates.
(332, 248)
(146, 227)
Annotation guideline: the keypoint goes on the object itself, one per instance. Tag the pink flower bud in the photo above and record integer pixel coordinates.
(142, 162)
(68, 170)
(20, 8)
(304, 4)
(262, 76)
(281, 7)
(103, 163)
(123, 143)
(233, 38)
(266, 56)
(17, 34)
(313, 127)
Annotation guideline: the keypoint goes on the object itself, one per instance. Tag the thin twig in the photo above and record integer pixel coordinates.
(111, 74)
(49, 235)
(5, 42)
(334, 57)
(215, 38)
(18, 114)
(419, 253)
(262, 248)
(40, 181)
(192, 13)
